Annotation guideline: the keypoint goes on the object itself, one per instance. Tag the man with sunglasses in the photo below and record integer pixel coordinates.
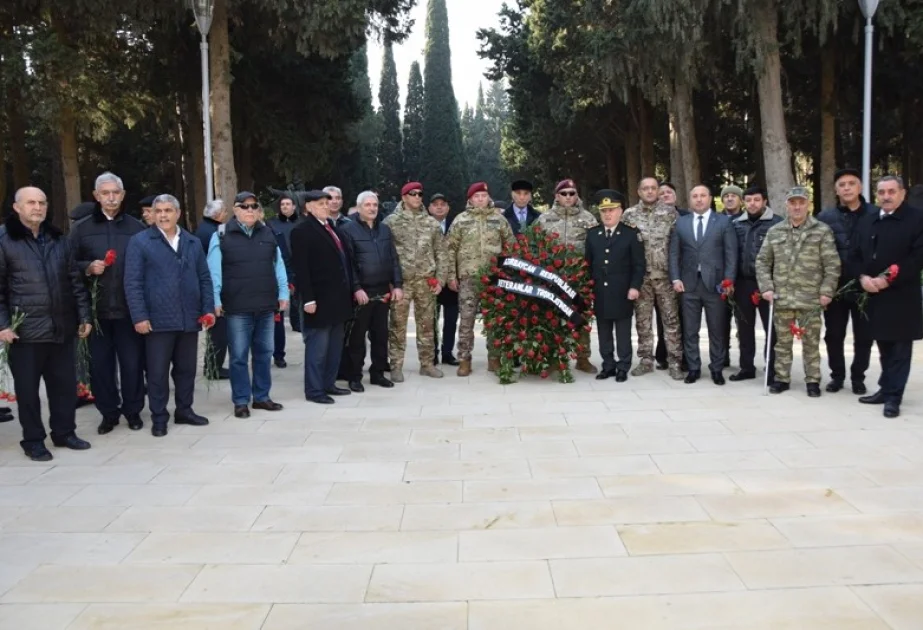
(571, 221)
(251, 285)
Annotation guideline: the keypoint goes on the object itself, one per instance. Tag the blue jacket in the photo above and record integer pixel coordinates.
(170, 289)
(206, 231)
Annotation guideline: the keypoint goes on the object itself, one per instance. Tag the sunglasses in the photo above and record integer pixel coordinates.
(249, 206)
(568, 193)
(415, 193)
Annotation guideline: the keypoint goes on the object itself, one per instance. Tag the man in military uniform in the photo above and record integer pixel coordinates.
(615, 254)
(655, 222)
(476, 235)
(570, 221)
(424, 266)
(798, 268)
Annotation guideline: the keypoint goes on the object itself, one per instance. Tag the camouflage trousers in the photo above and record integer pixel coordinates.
(810, 344)
(661, 291)
(468, 307)
(424, 306)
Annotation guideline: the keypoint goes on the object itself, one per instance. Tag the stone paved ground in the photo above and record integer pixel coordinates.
(452, 504)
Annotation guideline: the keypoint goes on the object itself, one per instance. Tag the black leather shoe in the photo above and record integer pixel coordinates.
(107, 425)
(448, 359)
(321, 400)
(743, 375)
(280, 363)
(717, 378)
(72, 442)
(7, 416)
(381, 381)
(604, 374)
(692, 376)
(834, 386)
(159, 430)
(356, 386)
(875, 399)
(778, 387)
(727, 363)
(135, 423)
(241, 411)
(662, 365)
(813, 390)
(267, 405)
(191, 418)
(621, 376)
(337, 391)
(892, 410)
(38, 453)
(858, 388)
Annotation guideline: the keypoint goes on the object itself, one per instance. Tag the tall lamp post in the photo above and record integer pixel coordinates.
(204, 10)
(868, 10)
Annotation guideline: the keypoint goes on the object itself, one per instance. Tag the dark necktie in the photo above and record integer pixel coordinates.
(333, 235)
(699, 230)
(608, 234)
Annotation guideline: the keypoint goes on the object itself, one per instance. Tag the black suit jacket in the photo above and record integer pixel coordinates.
(531, 217)
(617, 264)
(321, 274)
(447, 295)
(715, 257)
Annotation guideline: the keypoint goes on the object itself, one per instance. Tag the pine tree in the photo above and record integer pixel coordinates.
(390, 157)
(413, 123)
(443, 160)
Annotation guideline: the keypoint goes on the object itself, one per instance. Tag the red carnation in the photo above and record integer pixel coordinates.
(495, 269)
(207, 320)
(522, 335)
(386, 298)
(562, 366)
(520, 350)
(545, 348)
(509, 355)
(432, 282)
(493, 260)
(485, 312)
(508, 325)
(531, 354)
(755, 298)
(538, 337)
(558, 263)
(534, 320)
(891, 273)
(724, 297)
(523, 321)
(485, 280)
(277, 317)
(510, 297)
(508, 339)
(515, 312)
(109, 260)
(535, 308)
(544, 374)
(575, 335)
(558, 339)
(726, 284)
(497, 343)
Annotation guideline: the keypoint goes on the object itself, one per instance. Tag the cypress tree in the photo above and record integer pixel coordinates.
(413, 123)
(358, 164)
(443, 160)
(390, 157)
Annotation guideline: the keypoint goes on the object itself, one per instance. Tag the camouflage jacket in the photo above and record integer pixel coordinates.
(476, 235)
(656, 226)
(798, 264)
(571, 224)
(419, 243)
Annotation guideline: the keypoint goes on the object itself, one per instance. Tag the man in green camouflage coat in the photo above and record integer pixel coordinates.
(424, 265)
(570, 221)
(477, 235)
(656, 220)
(797, 269)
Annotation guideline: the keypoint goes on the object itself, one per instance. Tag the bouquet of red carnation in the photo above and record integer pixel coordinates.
(108, 261)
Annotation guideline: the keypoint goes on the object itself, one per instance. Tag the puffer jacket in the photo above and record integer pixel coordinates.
(93, 237)
(844, 222)
(42, 282)
(476, 235)
(373, 256)
(750, 237)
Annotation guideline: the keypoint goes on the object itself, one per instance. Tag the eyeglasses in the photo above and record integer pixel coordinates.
(568, 193)
(249, 206)
(415, 193)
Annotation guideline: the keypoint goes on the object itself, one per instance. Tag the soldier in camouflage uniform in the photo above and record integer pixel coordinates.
(655, 220)
(422, 254)
(798, 268)
(570, 221)
(476, 235)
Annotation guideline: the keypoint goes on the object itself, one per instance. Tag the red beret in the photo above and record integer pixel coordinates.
(564, 183)
(476, 188)
(410, 187)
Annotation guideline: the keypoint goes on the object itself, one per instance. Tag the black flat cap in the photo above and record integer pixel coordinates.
(521, 184)
(147, 202)
(843, 172)
(314, 195)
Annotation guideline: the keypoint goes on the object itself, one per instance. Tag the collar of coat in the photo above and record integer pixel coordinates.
(864, 206)
(768, 215)
(100, 217)
(573, 211)
(809, 224)
(18, 231)
(486, 212)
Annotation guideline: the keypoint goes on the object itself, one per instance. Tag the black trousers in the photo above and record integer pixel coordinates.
(372, 321)
(895, 368)
(836, 318)
(55, 363)
(449, 308)
(621, 343)
(746, 321)
(164, 349)
(117, 347)
(219, 334)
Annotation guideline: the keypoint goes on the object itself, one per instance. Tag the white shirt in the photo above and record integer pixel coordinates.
(695, 228)
(174, 242)
(884, 214)
(442, 225)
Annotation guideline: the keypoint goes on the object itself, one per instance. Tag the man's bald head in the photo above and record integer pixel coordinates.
(28, 191)
(31, 205)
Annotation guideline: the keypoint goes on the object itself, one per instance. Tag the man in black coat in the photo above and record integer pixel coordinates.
(889, 237)
(114, 346)
(376, 280)
(40, 280)
(215, 214)
(520, 214)
(844, 220)
(322, 280)
(615, 254)
(447, 300)
(283, 224)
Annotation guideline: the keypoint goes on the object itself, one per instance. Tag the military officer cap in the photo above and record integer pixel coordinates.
(798, 192)
(521, 184)
(608, 198)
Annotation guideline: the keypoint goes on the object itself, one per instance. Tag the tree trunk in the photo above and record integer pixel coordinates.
(676, 158)
(70, 163)
(632, 160)
(685, 122)
(646, 136)
(827, 124)
(222, 131)
(57, 203)
(195, 150)
(612, 168)
(19, 156)
(777, 154)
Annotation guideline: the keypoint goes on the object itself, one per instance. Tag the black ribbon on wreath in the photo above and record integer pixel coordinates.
(567, 300)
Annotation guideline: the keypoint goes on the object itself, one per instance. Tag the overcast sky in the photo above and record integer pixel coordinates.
(465, 18)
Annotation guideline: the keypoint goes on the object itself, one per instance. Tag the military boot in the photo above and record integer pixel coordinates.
(493, 365)
(431, 371)
(464, 367)
(677, 374)
(584, 365)
(644, 368)
(397, 373)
